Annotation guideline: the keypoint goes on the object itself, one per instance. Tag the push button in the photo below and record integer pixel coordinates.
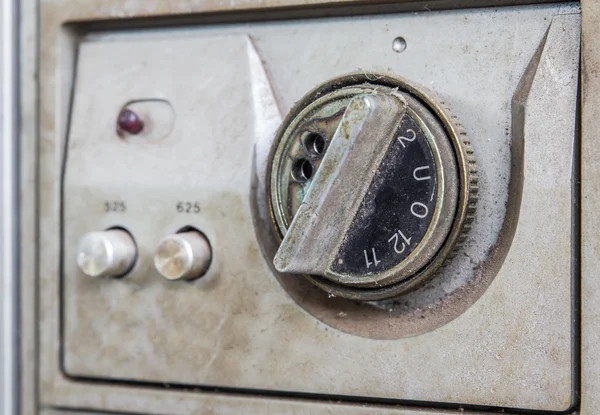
(183, 256)
(110, 253)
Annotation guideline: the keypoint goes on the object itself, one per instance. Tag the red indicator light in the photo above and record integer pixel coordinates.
(130, 122)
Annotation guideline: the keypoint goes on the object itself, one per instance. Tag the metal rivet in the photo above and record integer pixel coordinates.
(399, 44)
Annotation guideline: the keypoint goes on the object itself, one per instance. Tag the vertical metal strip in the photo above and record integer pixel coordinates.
(9, 219)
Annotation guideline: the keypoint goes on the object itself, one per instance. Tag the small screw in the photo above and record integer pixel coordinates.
(130, 122)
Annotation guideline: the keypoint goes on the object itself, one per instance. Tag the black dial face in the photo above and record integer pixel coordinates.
(397, 210)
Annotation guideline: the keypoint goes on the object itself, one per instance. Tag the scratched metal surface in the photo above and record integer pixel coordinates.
(507, 350)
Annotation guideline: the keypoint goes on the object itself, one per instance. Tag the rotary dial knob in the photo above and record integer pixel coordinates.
(372, 187)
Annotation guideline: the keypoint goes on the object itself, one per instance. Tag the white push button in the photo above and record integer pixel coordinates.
(183, 256)
(106, 254)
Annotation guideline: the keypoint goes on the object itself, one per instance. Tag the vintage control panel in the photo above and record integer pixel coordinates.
(343, 208)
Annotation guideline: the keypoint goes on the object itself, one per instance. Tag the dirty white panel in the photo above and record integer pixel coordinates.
(237, 327)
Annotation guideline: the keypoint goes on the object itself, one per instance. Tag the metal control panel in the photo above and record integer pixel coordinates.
(378, 209)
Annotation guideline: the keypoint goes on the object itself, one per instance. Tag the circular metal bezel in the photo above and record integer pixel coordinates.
(455, 169)
(446, 192)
